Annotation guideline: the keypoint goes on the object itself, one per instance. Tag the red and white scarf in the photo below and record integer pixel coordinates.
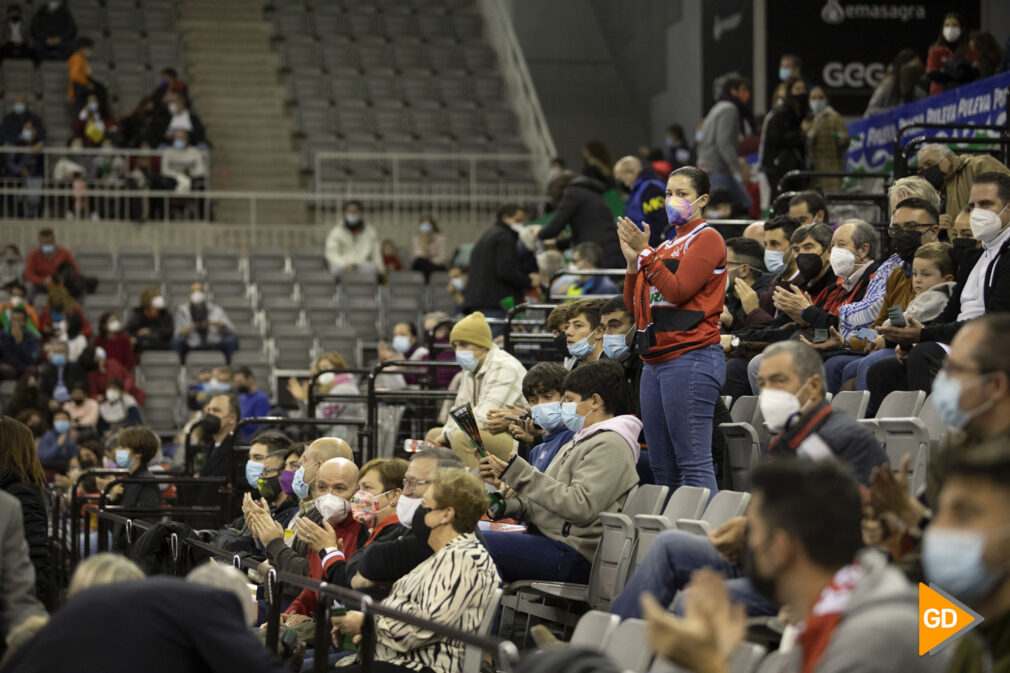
(825, 615)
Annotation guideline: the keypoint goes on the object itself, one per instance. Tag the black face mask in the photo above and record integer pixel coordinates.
(78, 402)
(270, 487)
(905, 243)
(764, 586)
(37, 430)
(87, 464)
(418, 527)
(242, 390)
(933, 175)
(962, 246)
(809, 265)
(211, 424)
(561, 344)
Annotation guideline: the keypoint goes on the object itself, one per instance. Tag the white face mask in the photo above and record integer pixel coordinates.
(197, 297)
(777, 407)
(406, 508)
(843, 262)
(158, 302)
(985, 224)
(951, 33)
(112, 395)
(114, 326)
(333, 508)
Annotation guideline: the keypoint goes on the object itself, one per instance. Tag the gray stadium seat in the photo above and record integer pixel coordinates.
(724, 506)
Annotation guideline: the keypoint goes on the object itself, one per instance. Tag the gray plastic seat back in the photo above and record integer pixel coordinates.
(594, 630)
(852, 402)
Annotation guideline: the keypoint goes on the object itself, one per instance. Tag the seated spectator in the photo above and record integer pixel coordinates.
(150, 323)
(13, 123)
(491, 379)
(963, 240)
(118, 408)
(174, 117)
(455, 584)
(28, 396)
(171, 638)
(793, 404)
(27, 168)
(137, 126)
(63, 320)
(136, 448)
(353, 245)
(170, 83)
(390, 258)
(213, 442)
(12, 269)
(183, 166)
(804, 535)
(755, 231)
(429, 247)
(459, 276)
(745, 277)
(19, 348)
(587, 257)
(584, 333)
(405, 346)
(59, 375)
(953, 176)
(53, 31)
(35, 421)
(209, 382)
(828, 138)
(116, 343)
(903, 82)
(981, 288)
(332, 381)
(202, 325)
(557, 323)
(437, 327)
(95, 123)
(563, 503)
(317, 453)
(809, 207)
(17, 299)
(254, 403)
(48, 264)
(15, 38)
(646, 199)
(720, 206)
(83, 411)
(951, 61)
(543, 388)
(101, 370)
(58, 445)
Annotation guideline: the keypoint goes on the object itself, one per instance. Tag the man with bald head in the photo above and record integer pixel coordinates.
(647, 199)
(317, 453)
(755, 231)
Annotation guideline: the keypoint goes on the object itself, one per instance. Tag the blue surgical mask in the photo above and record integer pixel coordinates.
(179, 144)
(952, 559)
(253, 470)
(615, 346)
(458, 283)
(466, 360)
(571, 417)
(818, 106)
(547, 415)
(947, 400)
(298, 484)
(61, 426)
(401, 344)
(58, 359)
(48, 248)
(26, 135)
(93, 105)
(698, 135)
(774, 261)
(19, 108)
(123, 458)
(580, 349)
(785, 73)
(426, 228)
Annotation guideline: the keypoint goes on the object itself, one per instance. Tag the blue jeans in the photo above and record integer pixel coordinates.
(741, 199)
(678, 399)
(667, 568)
(842, 368)
(535, 557)
(228, 345)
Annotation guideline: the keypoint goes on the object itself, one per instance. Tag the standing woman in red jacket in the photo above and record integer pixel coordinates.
(951, 61)
(676, 292)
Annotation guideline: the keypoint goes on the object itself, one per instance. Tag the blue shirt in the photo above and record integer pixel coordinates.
(253, 404)
(54, 455)
(543, 453)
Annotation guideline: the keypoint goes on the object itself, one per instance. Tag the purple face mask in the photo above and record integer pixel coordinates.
(287, 477)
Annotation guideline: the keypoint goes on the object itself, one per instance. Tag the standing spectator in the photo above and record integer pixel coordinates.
(82, 85)
(790, 65)
(115, 342)
(353, 245)
(252, 402)
(495, 280)
(721, 131)
(678, 152)
(20, 605)
(21, 476)
(19, 348)
(83, 410)
(989, 52)
(784, 143)
(952, 176)
(390, 258)
(15, 40)
(95, 122)
(150, 323)
(676, 292)
(585, 210)
(902, 83)
(53, 30)
(429, 247)
(646, 198)
(176, 116)
(202, 325)
(951, 61)
(12, 268)
(46, 263)
(14, 122)
(829, 139)
(596, 163)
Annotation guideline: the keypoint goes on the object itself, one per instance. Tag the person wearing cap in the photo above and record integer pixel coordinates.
(491, 379)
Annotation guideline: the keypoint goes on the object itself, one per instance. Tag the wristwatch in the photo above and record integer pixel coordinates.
(734, 342)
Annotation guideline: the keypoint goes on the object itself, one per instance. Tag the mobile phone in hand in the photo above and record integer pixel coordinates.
(896, 316)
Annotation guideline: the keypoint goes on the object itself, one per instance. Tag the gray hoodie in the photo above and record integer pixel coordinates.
(589, 475)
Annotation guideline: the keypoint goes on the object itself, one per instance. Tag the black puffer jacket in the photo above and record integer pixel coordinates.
(583, 208)
(33, 511)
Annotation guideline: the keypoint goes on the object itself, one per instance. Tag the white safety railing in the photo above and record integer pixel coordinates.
(92, 158)
(519, 85)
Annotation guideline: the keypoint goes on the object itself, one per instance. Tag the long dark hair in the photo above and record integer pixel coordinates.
(799, 105)
(17, 453)
(961, 46)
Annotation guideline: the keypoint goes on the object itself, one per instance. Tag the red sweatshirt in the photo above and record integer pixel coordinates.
(678, 293)
(305, 603)
(38, 267)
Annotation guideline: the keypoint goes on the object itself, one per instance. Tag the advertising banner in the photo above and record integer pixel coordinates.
(727, 43)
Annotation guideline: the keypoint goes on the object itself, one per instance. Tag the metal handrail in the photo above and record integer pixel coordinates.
(900, 160)
(508, 336)
(313, 397)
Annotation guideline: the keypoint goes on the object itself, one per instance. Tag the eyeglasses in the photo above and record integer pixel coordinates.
(908, 226)
(411, 484)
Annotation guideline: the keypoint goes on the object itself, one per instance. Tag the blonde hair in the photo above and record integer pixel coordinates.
(335, 358)
(104, 568)
(391, 471)
(939, 254)
(463, 492)
(912, 187)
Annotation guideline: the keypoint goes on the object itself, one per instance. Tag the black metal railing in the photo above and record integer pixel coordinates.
(901, 146)
(796, 176)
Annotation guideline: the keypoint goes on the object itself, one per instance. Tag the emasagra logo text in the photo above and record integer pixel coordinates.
(834, 13)
(942, 619)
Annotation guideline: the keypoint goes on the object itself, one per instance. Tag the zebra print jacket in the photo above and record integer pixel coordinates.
(452, 587)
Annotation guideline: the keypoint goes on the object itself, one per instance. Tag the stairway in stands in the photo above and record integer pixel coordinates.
(236, 91)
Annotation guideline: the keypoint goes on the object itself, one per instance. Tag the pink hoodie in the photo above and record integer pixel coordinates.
(628, 427)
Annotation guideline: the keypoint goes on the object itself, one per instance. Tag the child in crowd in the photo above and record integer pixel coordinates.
(118, 410)
(543, 388)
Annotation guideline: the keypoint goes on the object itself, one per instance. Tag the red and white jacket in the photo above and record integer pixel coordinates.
(678, 293)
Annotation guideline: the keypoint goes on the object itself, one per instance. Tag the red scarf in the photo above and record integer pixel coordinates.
(825, 615)
(388, 521)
